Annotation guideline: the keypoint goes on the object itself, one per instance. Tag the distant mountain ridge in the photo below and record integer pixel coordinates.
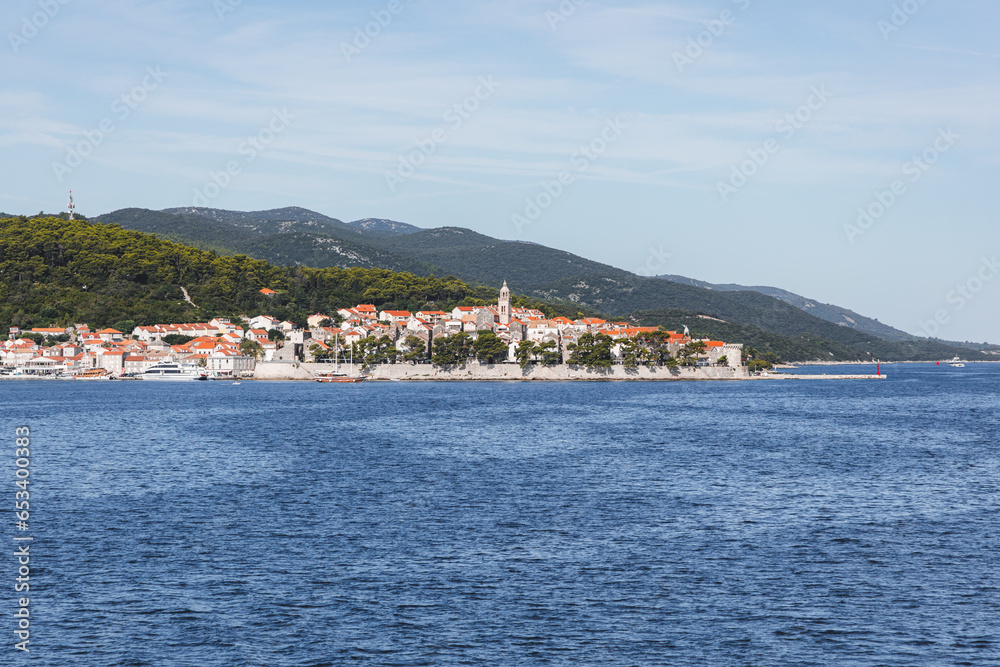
(276, 236)
(384, 227)
(831, 313)
(274, 221)
(295, 236)
(828, 312)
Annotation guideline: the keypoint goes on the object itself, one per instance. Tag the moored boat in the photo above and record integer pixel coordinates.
(173, 371)
(92, 374)
(338, 377)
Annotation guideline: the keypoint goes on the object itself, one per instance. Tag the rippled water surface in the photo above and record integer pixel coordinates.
(743, 523)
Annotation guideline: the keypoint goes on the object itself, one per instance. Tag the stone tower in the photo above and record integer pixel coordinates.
(503, 305)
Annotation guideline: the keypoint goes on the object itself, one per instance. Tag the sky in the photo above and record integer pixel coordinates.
(846, 151)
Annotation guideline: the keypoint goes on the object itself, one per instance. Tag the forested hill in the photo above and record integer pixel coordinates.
(59, 272)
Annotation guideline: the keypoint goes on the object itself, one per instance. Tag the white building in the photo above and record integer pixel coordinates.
(110, 335)
(460, 311)
(223, 325)
(315, 320)
(227, 361)
(543, 330)
(113, 361)
(259, 335)
(265, 322)
(51, 331)
(400, 316)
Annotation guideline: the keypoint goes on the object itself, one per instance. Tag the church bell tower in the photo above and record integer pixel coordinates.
(503, 305)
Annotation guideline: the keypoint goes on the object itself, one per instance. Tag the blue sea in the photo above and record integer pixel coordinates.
(608, 523)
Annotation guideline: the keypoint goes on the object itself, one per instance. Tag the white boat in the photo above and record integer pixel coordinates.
(956, 363)
(173, 371)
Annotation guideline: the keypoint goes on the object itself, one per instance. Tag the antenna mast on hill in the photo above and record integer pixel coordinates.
(72, 206)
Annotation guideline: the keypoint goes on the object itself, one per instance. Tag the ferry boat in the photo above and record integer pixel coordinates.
(173, 371)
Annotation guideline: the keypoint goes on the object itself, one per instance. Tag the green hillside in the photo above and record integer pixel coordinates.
(59, 272)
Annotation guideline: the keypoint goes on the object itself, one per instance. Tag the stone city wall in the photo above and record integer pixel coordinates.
(475, 371)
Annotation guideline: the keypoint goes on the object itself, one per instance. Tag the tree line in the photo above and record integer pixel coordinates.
(591, 350)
